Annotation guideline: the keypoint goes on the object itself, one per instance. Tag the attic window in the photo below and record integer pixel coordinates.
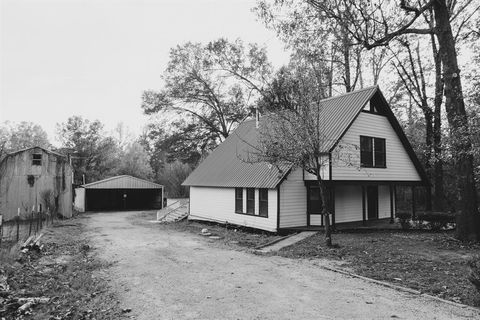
(36, 159)
(372, 152)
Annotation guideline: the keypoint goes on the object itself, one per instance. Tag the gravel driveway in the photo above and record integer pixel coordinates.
(167, 274)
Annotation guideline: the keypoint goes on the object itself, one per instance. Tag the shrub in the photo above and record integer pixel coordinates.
(436, 220)
(474, 275)
(404, 218)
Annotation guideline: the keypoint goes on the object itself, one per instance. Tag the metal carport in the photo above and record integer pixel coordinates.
(119, 193)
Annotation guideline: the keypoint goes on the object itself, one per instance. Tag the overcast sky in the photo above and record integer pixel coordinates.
(95, 57)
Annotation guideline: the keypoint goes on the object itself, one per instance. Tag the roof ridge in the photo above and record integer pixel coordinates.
(349, 93)
(118, 177)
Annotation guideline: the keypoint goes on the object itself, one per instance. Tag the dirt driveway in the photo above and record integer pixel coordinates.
(167, 274)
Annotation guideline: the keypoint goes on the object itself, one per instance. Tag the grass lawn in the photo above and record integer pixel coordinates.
(433, 263)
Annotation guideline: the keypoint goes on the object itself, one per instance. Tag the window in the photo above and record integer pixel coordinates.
(263, 202)
(379, 148)
(36, 159)
(251, 200)
(238, 199)
(372, 152)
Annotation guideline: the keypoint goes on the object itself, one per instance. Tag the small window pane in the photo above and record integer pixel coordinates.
(37, 159)
(238, 199)
(251, 200)
(380, 153)
(263, 202)
(366, 151)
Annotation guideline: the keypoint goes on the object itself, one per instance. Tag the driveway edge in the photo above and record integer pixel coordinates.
(400, 288)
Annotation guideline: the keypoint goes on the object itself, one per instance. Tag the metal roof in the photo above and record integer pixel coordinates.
(338, 113)
(226, 165)
(122, 182)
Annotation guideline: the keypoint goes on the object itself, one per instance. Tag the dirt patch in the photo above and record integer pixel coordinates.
(434, 263)
(230, 235)
(66, 275)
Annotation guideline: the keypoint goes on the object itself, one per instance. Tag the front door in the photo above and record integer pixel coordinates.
(314, 206)
(372, 202)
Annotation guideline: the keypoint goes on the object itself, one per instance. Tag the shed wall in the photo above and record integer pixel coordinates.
(16, 191)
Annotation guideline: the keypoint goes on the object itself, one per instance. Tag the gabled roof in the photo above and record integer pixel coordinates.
(228, 165)
(122, 182)
(338, 113)
(225, 166)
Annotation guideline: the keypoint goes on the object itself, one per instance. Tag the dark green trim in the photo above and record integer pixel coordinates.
(413, 204)
(373, 182)
(278, 207)
(330, 166)
(332, 203)
(391, 204)
(364, 216)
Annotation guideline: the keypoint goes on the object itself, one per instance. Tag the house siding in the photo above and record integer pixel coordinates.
(348, 203)
(346, 156)
(293, 200)
(218, 205)
(383, 201)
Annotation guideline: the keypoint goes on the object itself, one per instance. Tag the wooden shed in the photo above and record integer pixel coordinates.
(119, 193)
(35, 178)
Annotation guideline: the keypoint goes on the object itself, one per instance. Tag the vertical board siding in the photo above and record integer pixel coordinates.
(16, 192)
(348, 203)
(293, 201)
(79, 202)
(399, 165)
(383, 201)
(218, 205)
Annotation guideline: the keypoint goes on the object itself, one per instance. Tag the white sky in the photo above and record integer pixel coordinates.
(94, 58)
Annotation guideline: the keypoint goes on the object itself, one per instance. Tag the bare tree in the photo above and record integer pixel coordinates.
(376, 23)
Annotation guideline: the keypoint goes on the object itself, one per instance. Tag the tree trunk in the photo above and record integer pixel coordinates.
(325, 212)
(437, 131)
(466, 202)
(428, 154)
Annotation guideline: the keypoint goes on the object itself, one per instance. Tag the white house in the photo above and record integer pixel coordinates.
(226, 188)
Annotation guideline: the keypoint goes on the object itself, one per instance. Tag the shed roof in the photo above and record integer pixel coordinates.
(122, 182)
(224, 167)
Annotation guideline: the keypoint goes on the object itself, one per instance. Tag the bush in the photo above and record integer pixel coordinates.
(474, 275)
(404, 218)
(432, 220)
(436, 220)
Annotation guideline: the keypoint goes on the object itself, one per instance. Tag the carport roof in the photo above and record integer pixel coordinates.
(122, 182)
